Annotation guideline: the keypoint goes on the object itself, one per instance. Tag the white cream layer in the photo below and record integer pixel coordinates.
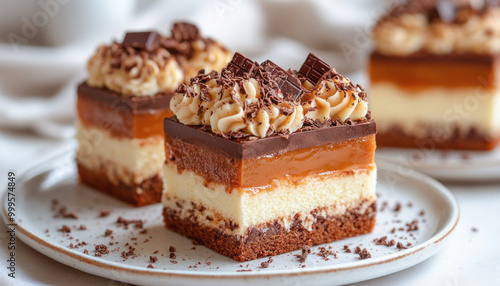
(127, 160)
(436, 108)
(241, 206)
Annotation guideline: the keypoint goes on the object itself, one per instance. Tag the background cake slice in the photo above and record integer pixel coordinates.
(434, 75)
(256, 165)
(121, 108)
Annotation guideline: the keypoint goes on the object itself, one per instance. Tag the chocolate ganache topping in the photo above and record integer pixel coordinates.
(251, 99)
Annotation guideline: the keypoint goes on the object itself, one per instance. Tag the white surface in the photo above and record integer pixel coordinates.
(57, 179)
(463, 166)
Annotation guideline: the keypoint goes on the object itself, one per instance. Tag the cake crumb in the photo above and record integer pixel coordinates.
(265, 264)
(347, 249)
(85, 251)
(172, 255)
(150, 266)
(171, 248)
(65, 229)
(82, 227)
(364, 254)
(108, 232)
(397, 208)
(400, 245)
(101, 249)
(65, 214)
(153, 259)
(104, 213)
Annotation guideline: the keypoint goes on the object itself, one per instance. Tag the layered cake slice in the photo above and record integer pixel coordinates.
(121, 108)
(434, 75)
(258, 165)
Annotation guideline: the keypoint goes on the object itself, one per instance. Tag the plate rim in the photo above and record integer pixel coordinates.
(38, 243)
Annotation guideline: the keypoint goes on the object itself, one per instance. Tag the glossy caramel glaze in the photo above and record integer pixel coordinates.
(215, 166)
(418, 72)
(119, 120)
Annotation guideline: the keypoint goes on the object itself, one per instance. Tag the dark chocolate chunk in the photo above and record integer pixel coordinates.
(313, 69)
(148, 41)
(241, 65)
(185, 32)
(289, 85)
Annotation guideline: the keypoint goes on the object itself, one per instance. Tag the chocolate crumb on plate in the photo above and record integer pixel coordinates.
(108, 232)
(65, 229)
(101, 249)
(153, 259)
(150, 266)
(104, 213)
(400, 245)
(82, 227)
(172, 255)
(63, 211)
(364, 254)
(172, 249)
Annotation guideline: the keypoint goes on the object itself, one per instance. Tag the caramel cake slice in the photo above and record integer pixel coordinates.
(435, 75)
(122, 105)
(257, 164)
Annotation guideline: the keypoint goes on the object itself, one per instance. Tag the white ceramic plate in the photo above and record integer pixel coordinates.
(446, 165)
(56, 179)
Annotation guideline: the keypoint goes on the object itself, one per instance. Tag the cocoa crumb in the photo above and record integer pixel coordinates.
(150, 266)
(153, 259)
(108, 232)
(101, 249)
(65, 229)
(347, 249)
(85, 251)
(104, 213)
(171, 249)
(65, 214)
(357, 250)
(82, 227)
(364, 254)
(397, 208)
(400, 245)
(172, 255)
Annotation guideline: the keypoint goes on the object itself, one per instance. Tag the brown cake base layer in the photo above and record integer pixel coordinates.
(472, 141)
(275, 240)
(146, 193)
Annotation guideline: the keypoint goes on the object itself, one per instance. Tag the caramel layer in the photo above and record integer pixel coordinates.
(120, 121)
(421, 71)
(216, 166)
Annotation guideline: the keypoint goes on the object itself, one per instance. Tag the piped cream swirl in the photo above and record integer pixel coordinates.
(472, 32)
(207, 55)
(236, 109)
(329, 102)
(130, 72)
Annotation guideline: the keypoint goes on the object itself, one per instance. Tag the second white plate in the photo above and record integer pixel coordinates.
(446, 165)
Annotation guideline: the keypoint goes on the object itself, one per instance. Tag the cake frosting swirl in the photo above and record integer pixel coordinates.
(131, 72)
(253, 104)
(442, 27)
(147, 63)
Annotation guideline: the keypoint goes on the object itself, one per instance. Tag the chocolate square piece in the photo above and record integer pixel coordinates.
(241, 65)
(148, 41)
(185, 32)
(313, 69)
(289, 85)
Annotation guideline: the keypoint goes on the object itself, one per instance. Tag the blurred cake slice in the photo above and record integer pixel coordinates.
(256, 165)
(435, 75)
(121, 108)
